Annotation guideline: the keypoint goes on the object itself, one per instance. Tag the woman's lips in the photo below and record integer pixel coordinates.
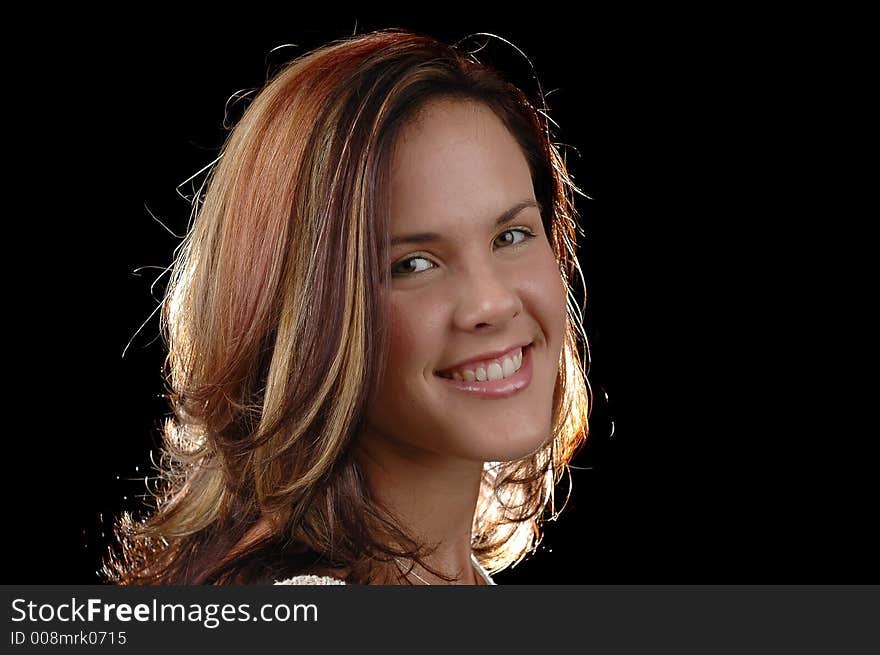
(495, 389)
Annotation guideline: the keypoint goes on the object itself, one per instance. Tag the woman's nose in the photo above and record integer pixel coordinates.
(487, 299)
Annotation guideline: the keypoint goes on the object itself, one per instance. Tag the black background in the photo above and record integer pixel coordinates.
(707, 464)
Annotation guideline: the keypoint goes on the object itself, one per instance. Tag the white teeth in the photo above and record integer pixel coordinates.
(494, 371)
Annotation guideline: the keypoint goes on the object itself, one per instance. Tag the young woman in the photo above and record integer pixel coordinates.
(373, 359)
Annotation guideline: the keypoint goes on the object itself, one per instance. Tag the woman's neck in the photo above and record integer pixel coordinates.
(433, 497)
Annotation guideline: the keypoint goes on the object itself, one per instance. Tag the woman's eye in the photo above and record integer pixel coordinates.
(507, 238)
(409, 266)
(418, 264)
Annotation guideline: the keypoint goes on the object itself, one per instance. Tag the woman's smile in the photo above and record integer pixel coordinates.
(493, 381)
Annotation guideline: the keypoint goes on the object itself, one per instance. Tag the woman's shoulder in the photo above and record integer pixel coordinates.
(310, 580)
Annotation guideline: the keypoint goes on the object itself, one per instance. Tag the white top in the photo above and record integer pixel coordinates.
(326, 579)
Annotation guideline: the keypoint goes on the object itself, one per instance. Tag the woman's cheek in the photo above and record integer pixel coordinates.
(401, 336)
(548, 296)
(411, 317)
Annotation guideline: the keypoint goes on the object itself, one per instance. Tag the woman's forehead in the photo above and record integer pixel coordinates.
(457, 161)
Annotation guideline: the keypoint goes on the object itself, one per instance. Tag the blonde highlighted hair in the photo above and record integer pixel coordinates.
(276, 325)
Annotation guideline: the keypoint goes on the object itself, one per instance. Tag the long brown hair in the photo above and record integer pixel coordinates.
(276, 327)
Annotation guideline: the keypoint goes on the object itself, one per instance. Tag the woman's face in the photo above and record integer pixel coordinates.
(467, 290)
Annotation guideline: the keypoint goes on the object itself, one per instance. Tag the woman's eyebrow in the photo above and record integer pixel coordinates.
(505, 217)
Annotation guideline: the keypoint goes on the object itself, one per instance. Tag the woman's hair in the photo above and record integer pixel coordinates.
(276, 323)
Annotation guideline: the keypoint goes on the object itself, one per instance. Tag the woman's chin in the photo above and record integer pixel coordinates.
(516, 445)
